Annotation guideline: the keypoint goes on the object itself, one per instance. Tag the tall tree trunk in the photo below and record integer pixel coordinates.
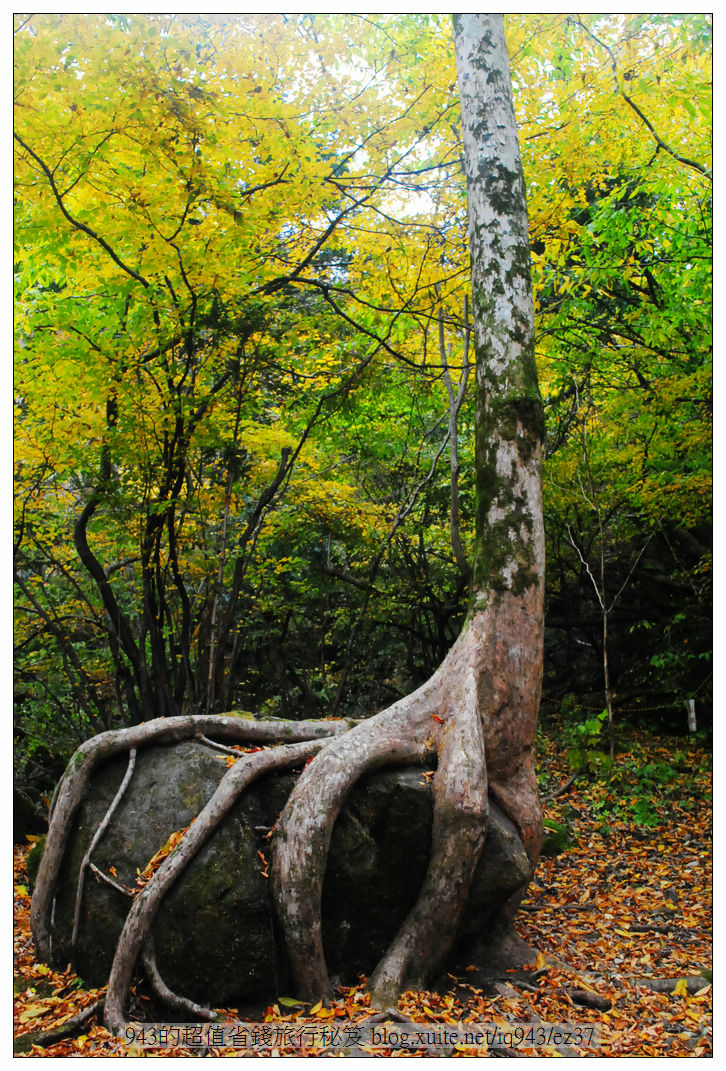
(478, 712)
(507, 606)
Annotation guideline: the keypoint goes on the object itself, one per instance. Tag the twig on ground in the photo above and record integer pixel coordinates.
(586, 999)
(44, 1038)
(568, 784)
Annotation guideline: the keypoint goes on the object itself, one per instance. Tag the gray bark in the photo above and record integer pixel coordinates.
(507, 607)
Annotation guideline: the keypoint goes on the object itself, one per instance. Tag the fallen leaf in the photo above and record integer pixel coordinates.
(32, 1011)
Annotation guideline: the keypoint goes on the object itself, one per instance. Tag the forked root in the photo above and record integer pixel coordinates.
(438, 719)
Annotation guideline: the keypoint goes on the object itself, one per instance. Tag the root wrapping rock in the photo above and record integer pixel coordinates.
(216, 937)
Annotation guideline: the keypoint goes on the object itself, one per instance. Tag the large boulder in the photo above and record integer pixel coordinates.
(216, 936)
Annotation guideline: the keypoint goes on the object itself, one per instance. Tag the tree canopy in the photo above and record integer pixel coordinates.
(242, 323)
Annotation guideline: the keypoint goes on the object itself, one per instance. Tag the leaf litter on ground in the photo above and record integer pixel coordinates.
(620, 917)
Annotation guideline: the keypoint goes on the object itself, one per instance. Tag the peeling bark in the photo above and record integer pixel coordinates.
(507, 610)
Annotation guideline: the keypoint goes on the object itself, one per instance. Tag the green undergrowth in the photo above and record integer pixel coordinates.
(654, 780)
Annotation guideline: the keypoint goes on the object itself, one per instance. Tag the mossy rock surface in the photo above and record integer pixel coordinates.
(216, 935)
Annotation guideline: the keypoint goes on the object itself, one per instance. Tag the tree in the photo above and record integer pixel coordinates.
(138, 187)
(477, 714)
(360, 614)
(622, 267)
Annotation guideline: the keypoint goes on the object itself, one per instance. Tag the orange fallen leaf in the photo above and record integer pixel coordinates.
(32, 1011)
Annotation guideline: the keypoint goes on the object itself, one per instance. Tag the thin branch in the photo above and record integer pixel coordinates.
(103, 826)
(631, 571)
(563, 788)
(76, 223)
(639, 111)
(101, 876)
(219, 747)
(584, 561)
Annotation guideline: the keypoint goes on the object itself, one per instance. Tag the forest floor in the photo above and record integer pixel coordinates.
(621, 912)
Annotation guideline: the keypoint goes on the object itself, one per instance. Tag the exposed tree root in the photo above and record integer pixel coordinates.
(103, 826)
(455, 717)
(564, 787)
(461, 715)
(585, 999)
(458, 716)
(172, 1000)
(147, 902)
(458, 835)
(45, 1038)
(306, 825)
(74, 784)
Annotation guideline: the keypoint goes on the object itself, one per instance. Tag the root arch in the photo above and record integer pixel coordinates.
(443, 721)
